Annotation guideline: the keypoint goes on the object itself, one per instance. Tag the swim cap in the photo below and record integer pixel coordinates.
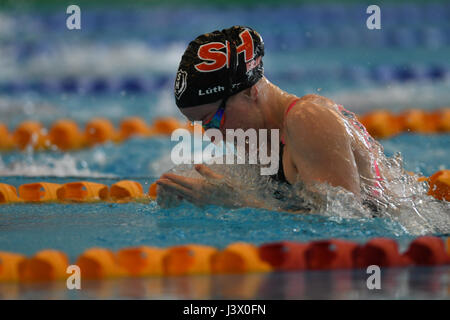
(217, 65)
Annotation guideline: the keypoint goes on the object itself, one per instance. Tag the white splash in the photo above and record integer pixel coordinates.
(49, 166)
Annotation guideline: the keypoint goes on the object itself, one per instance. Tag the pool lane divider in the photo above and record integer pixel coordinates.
(76, 192)
(236, 258)
(440, 185)
(129, 190)
(382, 124)
(65, 135)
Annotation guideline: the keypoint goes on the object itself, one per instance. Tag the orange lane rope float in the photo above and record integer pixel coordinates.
(128, 190)
(9, 266)
(65, 134)
(240, 257)
(383, 124)
(46, 265)
(141, 261)
(79, 191)
(82, 191)
(8, 194)
(440, 185)
(188, 259)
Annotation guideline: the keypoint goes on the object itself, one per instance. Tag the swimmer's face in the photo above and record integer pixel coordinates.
(237, 113)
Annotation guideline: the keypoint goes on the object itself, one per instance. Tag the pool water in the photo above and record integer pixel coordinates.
(123, 64)
(27, 228)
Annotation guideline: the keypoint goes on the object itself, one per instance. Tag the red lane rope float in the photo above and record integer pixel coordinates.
(65, 134)
(284, 255)
(382, 252)
(239, 257)
(330, 254)
(128, 190)
(427, 251)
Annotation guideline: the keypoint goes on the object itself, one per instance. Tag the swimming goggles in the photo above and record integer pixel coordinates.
(218, 119)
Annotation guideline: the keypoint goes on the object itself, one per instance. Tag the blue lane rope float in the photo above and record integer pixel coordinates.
(141, 85)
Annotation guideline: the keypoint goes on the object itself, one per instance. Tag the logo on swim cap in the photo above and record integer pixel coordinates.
(219, 64)
(214, 59)
(210, 90)
(180, 83)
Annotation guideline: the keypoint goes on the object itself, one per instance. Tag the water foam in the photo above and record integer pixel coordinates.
(399, 196)
(64, 166)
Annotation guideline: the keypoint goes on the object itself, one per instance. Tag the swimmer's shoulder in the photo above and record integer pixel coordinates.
(315, 99)
(313, 117)
(310, 108)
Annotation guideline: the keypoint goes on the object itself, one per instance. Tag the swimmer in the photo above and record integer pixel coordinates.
(220, 81)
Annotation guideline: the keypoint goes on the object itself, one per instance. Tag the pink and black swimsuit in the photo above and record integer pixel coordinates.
(280, 176)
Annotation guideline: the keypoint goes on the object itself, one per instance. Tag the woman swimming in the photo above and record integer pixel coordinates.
(220, 81)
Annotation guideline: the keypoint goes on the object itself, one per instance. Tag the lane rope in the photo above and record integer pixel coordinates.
(65, 134)
(237, 258)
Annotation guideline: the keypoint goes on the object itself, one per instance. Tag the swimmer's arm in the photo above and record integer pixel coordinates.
(320, 147)
(213, 189)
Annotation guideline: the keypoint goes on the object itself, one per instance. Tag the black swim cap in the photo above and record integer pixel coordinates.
(217, 65)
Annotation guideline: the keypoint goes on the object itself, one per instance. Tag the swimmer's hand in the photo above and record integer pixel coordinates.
(213, 189)
(167, 199)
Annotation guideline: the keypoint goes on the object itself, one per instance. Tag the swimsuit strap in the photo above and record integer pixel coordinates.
(285, 114)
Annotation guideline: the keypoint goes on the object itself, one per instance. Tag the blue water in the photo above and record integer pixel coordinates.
(123, 63)
(27, 228)
(140, 157)
(73, 228)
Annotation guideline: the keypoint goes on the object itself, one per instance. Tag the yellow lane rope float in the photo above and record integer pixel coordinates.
(128, 190)
(239, 257)
(65, 134)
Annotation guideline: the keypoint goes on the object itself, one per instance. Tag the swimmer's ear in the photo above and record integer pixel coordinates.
(254, 92)
(251, 93)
